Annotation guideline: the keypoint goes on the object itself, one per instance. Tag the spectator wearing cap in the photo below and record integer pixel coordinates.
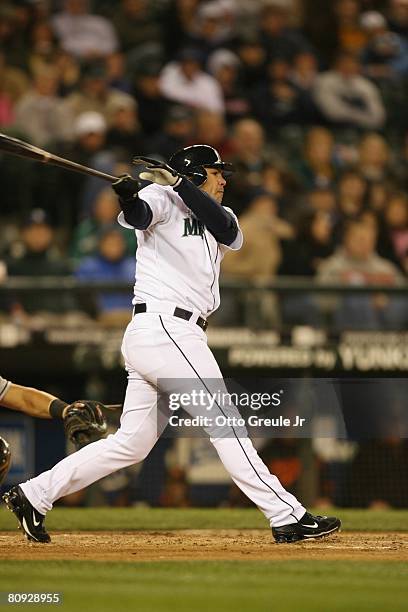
(185, 82)
(214, 27)
(346, 98)
(40, 114)
(111, 263)
(177, 132)
(386, 53)
(36, 255)
(82, 34)
(88, 147)
(95, 93)
(224, 65)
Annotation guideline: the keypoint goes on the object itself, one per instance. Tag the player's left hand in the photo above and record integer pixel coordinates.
(158, 172)
(84, 422)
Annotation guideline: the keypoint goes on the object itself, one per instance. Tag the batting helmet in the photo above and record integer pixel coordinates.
(192, 162)
(5, 459)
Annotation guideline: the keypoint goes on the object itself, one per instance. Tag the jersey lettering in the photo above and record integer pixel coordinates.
(193, 227)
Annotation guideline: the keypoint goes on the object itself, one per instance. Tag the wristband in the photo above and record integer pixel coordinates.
(56, 408)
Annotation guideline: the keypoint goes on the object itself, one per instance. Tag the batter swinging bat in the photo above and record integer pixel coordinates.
(18, 147)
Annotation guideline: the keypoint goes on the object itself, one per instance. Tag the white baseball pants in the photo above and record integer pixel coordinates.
(161, 346)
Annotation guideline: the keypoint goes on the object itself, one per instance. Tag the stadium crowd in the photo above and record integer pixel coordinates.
(312, 122)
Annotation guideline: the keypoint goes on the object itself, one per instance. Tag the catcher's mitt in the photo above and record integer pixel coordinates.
(5, 459)
(84, 422)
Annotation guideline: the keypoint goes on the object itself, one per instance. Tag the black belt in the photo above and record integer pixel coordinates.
(178, 312)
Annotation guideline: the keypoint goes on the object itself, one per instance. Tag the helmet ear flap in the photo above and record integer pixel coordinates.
(198, 175)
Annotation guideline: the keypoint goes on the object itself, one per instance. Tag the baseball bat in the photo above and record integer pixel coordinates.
(8, 144)
(113, 407)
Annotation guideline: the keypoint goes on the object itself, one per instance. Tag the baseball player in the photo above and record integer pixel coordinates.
(83, 420)
(182, 232)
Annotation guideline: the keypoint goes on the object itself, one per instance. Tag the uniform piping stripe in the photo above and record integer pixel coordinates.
(223, 413)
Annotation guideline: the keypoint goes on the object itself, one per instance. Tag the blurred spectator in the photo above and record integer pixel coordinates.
(43, 46)
(152, 105)
(304, 70)
(211, 129)
(176, 133)
(110, 264)
(87, 148)
(386, 53)
(350, 34)
(259, 258)
(36, 255)
(279, 40)
(321, 199)
(225, 67)
(12, 36)
(135, 24)
(356, 262)
(250, 156)
(316, 168)
(104, 213)
(213, 27)
(124, 135)
(394, 243)
(82, 34)
(116, 72)
(398, 17)
(312, 245)
(374, 158)
(348, 99)
(179, 19)
(95, 93)
(13, 81)
(352, 191)
(40, 113)
(253, 61)
(278, 101)
(185, 82)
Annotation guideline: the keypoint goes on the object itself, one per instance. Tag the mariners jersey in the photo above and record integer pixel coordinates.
(4, 385)
(177, 259)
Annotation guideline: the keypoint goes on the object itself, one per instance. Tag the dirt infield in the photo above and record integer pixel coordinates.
(204, 544)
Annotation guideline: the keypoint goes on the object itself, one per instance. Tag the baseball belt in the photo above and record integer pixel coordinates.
(181, 313)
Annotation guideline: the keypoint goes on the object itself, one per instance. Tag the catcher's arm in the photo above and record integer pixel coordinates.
(31, 401)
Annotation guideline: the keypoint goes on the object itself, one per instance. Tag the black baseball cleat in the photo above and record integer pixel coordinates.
(31, 521)
(309, 527)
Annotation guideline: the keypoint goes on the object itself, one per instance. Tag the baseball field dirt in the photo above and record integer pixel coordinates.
(204, 545)
(197, 560)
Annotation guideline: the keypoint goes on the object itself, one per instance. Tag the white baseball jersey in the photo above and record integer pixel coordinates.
(4, 385)
(178, 260)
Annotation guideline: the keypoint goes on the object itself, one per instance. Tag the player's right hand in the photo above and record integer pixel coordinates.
(158, 172)
(126, 187)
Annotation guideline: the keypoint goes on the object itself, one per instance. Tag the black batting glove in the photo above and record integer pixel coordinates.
(126, 187)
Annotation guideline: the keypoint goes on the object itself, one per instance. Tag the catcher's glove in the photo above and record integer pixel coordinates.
(84, 422)
(5, 459)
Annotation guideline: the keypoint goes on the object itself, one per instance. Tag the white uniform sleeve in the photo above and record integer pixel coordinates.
(239, 240)
(157, 198)
(4, 385)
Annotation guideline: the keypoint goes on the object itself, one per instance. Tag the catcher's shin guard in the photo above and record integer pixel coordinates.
(5, 459)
